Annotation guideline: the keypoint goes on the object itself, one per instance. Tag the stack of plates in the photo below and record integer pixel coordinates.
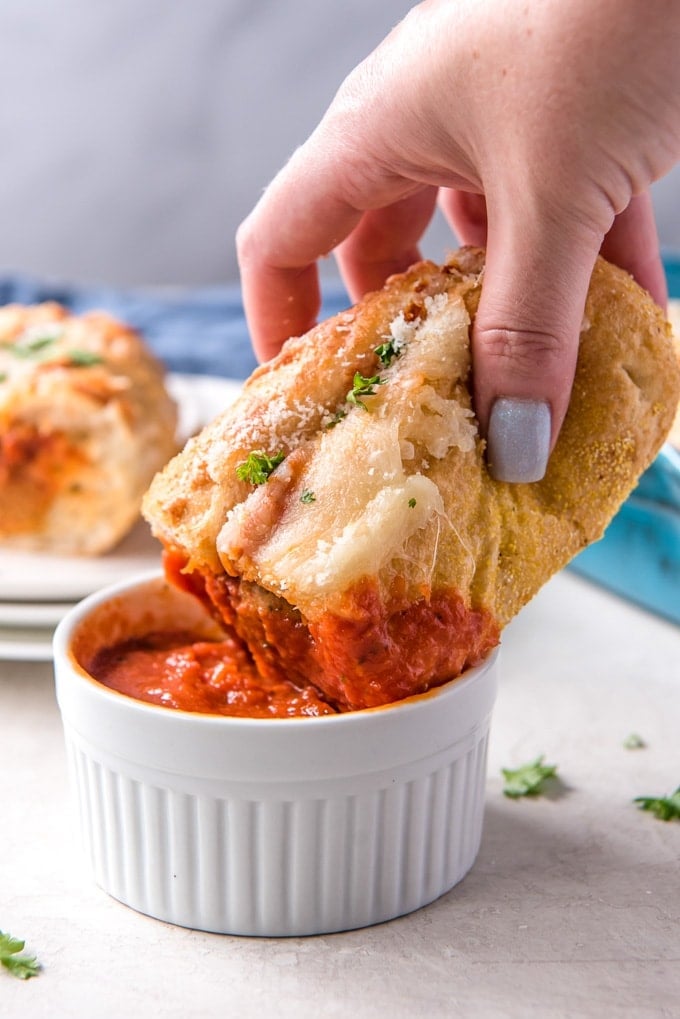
(26, 629)
(37, 590)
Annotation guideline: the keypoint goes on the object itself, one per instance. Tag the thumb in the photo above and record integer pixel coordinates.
(526, 335)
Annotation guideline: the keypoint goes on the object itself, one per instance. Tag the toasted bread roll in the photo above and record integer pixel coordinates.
(377, 557)
(85, 422)
(674, 319)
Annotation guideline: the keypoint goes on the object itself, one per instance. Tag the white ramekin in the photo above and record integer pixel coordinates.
(267, 826)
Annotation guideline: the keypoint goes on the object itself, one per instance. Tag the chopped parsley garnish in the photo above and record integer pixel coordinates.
(363, 386)
(634, 742)
(84, 358)
(307, 496)
(258, 466)
(387, 352)
(528, 779)
(337, 417)
(412, 503)
(666, 808)
(3, 376)
(21, 966)
(32, 348)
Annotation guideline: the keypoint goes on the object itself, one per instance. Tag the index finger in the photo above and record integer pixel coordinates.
(311, 206)
(301, 217)
(633, 244)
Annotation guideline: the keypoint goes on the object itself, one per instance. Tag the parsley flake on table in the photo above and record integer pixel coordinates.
(363, 386)
(666, 808)
(20, 966)
(258, 466)
(528, 779)
(634, 742)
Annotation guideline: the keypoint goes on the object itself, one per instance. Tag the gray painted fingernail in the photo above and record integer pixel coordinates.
(518, 440)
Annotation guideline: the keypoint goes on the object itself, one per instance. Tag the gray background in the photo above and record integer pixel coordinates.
(136, 134)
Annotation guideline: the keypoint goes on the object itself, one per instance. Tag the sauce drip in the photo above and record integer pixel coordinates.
(273, 665)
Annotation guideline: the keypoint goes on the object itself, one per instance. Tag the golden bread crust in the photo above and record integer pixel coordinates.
(674, 318)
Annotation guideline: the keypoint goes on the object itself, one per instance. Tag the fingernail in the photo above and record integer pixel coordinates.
(518, 439)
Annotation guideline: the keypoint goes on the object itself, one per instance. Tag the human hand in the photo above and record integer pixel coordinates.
(538, 128)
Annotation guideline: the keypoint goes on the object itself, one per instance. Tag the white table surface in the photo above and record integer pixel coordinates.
(572, 909)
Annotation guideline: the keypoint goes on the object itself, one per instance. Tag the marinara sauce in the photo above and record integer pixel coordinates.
(175, 670)
(274, 666)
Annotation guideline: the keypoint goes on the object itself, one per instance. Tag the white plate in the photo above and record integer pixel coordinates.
(33, 614)
(28, 576)
(31, 577)
(26, 645)
(200, 398)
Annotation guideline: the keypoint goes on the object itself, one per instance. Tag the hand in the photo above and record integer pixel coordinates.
(538, 127)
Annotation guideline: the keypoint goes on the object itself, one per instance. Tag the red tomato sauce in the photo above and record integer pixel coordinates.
(33, 466)
(171, 668)
(272, 665)
(374, 656)
(370, 655)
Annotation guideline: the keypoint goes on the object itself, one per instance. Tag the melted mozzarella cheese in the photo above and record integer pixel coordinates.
(370, 494)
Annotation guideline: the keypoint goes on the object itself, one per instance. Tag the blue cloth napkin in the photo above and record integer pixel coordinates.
(201, 331)
(671, 261)
(639, 555)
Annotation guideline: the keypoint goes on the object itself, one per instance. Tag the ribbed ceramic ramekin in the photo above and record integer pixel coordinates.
(267, 826)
